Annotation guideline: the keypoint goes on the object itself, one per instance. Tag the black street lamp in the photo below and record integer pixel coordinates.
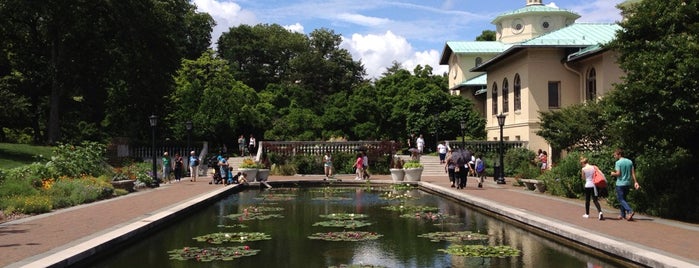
(462, 123)
(501, 176)
(188, 126)
(154, 122)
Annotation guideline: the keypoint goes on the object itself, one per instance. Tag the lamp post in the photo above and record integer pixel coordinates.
(153, 122)
(462, 123)
(188, 126)
(501, 176)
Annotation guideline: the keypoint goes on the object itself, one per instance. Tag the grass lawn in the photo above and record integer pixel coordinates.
(15, 155)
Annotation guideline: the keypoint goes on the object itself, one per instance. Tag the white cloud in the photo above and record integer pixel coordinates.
(362, 20)
(377, 52)
(226, 15)
(296, 28)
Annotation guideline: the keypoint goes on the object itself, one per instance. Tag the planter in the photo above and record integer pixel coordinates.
(397, 174)
(413, 174)
(125, 185)
(252, 173)
(262, 174)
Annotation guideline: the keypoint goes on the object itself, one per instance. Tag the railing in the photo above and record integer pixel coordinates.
(291, 148)
(489, 146)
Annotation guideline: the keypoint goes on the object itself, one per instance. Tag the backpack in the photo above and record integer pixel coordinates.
(480, 165)
(598, 178)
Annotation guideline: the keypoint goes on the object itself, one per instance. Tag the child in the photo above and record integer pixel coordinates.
(243, 179)
(480, 170)
(328, 165)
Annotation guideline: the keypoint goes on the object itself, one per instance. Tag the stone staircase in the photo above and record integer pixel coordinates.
(431, 165)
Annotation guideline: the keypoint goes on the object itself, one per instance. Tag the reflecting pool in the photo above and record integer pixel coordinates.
(296, 210)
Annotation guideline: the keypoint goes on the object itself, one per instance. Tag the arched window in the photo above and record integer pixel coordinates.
(505, 96)
(479, 61)
(495, 98)
(591, 89)
(518, 93)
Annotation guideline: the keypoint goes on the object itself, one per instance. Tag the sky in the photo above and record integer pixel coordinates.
(379, 32)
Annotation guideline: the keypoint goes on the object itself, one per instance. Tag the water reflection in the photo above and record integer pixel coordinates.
(400, 245)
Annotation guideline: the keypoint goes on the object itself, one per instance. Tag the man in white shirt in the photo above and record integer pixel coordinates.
(442, 150)
(420, 144)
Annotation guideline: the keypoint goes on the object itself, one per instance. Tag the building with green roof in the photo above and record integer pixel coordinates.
(542, 60)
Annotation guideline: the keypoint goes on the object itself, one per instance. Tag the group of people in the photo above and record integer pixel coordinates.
(361, 166)
(177, 168)
(250, 145)
(459, 169)
(624, 173)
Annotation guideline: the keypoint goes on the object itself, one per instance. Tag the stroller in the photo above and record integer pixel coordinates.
(212, 162)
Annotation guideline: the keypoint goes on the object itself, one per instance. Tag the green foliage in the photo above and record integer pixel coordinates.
(67, 192)
(307, 164)
(26, 204)
(74, 161)
(519, 161)
(565, 179)
(578, 127)
(412, 164)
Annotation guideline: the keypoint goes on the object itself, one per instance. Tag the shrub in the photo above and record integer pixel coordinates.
(307, 164)
(518, 160)
(67, 192)
(412, 164)
(28, 204)
(73, 161)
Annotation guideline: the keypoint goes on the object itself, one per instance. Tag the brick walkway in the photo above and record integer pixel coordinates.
(29, 239)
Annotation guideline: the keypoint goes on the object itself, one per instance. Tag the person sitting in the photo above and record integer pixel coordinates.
(234, 179)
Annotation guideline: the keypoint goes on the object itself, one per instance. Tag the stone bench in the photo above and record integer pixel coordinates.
(534, 184)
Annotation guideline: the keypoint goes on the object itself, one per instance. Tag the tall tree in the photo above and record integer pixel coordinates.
(657, 104)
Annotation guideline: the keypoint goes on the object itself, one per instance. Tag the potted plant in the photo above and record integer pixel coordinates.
(263, 168)
(397, 172)
(413, 170)
(249, 167)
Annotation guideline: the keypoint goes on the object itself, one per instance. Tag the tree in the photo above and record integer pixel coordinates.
(486, 35)
(207, 94)
(260, 55)
(579, 127)
(653, 112)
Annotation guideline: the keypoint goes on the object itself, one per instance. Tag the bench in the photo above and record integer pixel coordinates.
(534, 185)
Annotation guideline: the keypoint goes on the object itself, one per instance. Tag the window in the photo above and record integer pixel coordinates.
(505, 96)
(494, 97)
(518, 93)
(554, 94)
(479, 61)
(591, 90)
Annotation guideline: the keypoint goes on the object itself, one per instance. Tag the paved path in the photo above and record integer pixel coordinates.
(29, 239)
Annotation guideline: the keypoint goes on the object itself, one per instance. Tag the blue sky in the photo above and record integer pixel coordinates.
(378, 32)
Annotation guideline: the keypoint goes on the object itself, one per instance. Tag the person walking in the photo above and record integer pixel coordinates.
(241, 145)
(359, 166)
(442, 150)
(179, 167)
(591, 191)
(449, 168)
(193, 166)
(420, 144)
(252, 145)
(167, 167)
(365, 165)
(624, 172)
(328, 165)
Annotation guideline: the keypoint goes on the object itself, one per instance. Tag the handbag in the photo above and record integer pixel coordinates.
(598, 178)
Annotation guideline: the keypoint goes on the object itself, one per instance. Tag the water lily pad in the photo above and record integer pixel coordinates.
(332, 190)
(397, 196)
(232, 226)
(344, 216)
(349, 224)
(404, 186)
(276, 197)
(454, 236)
(351, 236)
(332, 198)
(481, 251)
(253, 216)
(212, 253)
(259, 209)
(411, 209)
(240, 237)
(428, 216)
